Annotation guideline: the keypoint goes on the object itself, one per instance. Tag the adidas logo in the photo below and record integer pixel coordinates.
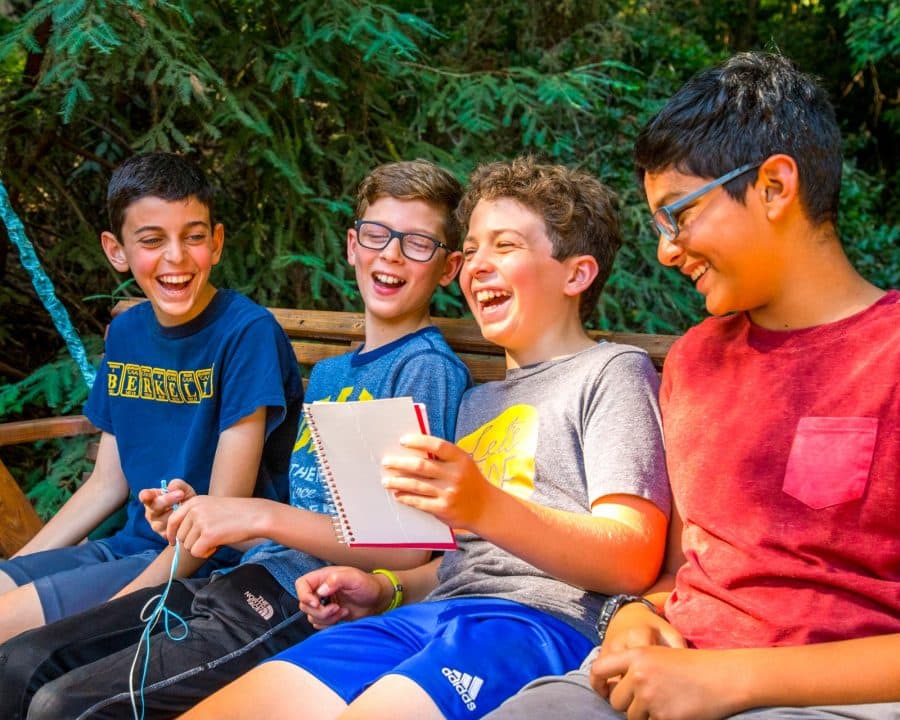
(259, 604)
(466, 685)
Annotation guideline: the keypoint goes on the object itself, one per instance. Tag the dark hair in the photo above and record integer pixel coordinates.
(580, 213)
(750, 107)
(167, 176)
(414, 180)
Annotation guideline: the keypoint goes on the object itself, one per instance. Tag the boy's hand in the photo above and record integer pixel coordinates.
(675, 683)
(448, 484)
(206, 522)
(331, 594)
(633, 626)
(158, 503)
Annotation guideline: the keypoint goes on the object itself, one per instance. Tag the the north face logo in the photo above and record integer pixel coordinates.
(262, 606)
(466, 685)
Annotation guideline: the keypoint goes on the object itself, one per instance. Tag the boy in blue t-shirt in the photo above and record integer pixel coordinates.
(248, 614)
(197, 383)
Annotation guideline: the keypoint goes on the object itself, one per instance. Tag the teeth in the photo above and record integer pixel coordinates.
(488, 295)
(175, 279)
(387, 279)
(699, 271)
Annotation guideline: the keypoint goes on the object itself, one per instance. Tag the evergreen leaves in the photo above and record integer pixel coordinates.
(287, 105)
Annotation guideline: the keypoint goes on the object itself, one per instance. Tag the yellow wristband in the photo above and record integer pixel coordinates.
(397, 600)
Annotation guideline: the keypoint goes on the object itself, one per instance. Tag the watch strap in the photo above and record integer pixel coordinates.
(611, 607)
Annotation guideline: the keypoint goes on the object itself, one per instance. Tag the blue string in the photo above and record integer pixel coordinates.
(159, 609)
(44, 288)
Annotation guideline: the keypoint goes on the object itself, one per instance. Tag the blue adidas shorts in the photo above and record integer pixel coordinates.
(69, 580)
(468, 654)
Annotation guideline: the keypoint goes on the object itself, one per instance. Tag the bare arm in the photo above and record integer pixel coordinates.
(99, 496)
(617, 548)
(686, 684)
(234, 473)
(862, 670)
(634, 625)
(204, 523)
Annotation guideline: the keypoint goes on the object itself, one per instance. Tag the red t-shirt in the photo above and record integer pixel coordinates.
(784, 457)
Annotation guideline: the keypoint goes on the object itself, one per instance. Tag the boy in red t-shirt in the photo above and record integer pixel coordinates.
(781, 416)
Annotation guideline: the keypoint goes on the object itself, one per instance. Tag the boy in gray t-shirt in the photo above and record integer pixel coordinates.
(556, 486)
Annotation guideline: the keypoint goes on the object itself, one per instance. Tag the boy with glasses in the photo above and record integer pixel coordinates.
(556, 486)
(80, 667)
(782, 425)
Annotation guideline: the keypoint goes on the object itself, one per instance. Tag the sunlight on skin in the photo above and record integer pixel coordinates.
(254, 696)
(379, 702)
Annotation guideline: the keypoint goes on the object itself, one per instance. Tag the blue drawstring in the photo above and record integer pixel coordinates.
(159, 610)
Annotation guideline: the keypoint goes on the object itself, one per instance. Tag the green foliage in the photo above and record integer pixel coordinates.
(56, 387)
(287, 105)
(873, 34)
(50, 471)
(872, 245)
(54, 473)
(873, 39)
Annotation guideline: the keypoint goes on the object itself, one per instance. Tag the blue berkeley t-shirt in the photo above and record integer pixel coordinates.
(420, 365)
(166, 393)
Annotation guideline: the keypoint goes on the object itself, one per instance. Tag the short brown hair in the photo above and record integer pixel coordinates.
(414, 180)
(579, 212)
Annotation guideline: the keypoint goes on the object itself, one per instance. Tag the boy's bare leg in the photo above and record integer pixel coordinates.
(274, 691)
(6, 583)
(394, 696)
(20, 610)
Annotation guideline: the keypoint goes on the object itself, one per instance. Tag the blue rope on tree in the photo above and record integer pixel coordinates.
(44, 287)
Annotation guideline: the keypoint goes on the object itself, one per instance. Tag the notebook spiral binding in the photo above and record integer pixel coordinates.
(339, 518)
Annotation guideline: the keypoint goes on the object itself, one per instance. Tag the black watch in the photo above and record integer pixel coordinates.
(611, 607)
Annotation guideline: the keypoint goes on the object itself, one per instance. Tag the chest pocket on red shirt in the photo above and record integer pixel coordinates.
(830, 460)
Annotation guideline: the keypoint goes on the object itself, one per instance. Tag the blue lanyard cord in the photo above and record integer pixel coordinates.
(159, 609)
(44, 287)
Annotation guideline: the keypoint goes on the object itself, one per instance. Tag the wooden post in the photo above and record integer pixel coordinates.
(20, 521)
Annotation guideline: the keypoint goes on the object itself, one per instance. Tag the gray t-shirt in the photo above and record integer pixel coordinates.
(562, 434)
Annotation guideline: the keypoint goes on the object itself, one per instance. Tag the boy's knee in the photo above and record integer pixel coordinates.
(57, 699)
(20, 660)
(50, 703)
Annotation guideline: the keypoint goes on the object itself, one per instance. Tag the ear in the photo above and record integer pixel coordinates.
(218, 239)
(582, 270)
(115, 251)
(452, 264)
(351, 246)
(778, 185)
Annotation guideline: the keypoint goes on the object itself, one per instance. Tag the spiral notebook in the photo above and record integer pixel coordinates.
(350, 439)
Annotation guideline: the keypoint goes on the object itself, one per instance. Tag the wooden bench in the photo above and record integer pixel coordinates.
(315, 335)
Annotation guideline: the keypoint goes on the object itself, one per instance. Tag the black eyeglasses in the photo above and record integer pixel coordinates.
(415, 246)
(665, 219)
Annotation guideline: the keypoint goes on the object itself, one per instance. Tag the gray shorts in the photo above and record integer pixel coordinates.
(571, 696)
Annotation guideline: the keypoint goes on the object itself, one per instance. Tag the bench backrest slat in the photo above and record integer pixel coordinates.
(319, 334)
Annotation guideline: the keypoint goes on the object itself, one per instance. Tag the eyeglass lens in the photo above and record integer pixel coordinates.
(415, 247)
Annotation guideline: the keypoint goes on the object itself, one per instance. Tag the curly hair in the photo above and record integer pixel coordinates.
(580, 213)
